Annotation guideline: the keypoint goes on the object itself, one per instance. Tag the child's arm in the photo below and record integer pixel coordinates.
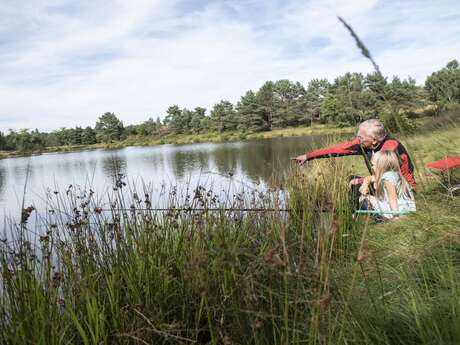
(392, 196)
(364, 189)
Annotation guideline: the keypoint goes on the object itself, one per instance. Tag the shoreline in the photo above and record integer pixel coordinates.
(185, 139)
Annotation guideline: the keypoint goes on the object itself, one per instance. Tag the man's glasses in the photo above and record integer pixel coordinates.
(364, 139)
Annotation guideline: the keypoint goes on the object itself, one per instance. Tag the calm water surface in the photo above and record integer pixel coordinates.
(250, 164)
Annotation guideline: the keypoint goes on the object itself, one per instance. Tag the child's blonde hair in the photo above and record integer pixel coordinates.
(383, 161)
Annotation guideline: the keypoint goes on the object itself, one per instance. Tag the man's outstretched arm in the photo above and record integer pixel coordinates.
(344, 149)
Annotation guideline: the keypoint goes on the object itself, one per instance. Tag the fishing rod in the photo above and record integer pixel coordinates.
(381, 212)
(369, 168)
(187, 209)
(366, 160)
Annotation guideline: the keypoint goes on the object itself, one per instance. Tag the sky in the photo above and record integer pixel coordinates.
(65, 63)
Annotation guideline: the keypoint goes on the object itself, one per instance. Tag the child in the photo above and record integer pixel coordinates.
(392, 191)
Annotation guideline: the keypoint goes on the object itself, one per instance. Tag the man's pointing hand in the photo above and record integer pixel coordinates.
(301, 160)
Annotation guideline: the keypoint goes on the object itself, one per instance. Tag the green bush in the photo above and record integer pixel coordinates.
(225, 137)
(397, 121)
(242, 136)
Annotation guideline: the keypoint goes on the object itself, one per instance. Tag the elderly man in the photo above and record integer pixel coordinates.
(371, 137)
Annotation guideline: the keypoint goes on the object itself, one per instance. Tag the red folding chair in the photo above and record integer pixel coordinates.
(447, 166)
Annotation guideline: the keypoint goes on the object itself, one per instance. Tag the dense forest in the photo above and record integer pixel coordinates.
(346, 101)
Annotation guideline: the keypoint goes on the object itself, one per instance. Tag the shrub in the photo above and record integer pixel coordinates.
(397, 121)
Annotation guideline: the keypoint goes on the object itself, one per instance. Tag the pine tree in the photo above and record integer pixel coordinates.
(223, 117)
(250, 114)
(88, 136)
(109, 128)
(289, 105)
(2, 141)
(444, 86)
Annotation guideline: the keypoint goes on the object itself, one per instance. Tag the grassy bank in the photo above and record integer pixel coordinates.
(54, 149)
(212, 137)
(319, 275)
(216, 137)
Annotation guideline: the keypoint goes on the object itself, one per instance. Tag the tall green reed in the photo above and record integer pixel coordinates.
(125, 274)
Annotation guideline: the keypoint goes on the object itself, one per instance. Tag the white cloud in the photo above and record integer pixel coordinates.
(64, 66)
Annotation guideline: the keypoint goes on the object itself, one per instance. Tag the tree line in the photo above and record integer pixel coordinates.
(347, 100)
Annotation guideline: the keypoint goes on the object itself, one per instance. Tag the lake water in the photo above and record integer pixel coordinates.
(226, 167)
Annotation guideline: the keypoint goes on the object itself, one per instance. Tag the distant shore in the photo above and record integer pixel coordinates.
(181, 139)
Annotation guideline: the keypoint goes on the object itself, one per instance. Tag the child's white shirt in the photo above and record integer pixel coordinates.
(405, 204)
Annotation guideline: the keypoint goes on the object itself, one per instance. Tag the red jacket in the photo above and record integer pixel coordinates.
(354, 148)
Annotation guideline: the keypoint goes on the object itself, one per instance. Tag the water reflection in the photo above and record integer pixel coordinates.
(155, 160)
(2, 179)
(225, 158)
(184, 162)
(256, 161)
(243, 164)
(114, 165)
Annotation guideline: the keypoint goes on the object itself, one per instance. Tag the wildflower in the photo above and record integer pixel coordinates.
(334, 228)
(258, 324)
(44, 238)
(273, 258)
(363, 254)
(25, 214)
(56, 280)
(324, 300)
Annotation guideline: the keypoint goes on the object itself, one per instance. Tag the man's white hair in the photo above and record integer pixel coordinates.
(374, 128)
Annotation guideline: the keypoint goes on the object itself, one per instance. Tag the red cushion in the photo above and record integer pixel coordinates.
(446, 164)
